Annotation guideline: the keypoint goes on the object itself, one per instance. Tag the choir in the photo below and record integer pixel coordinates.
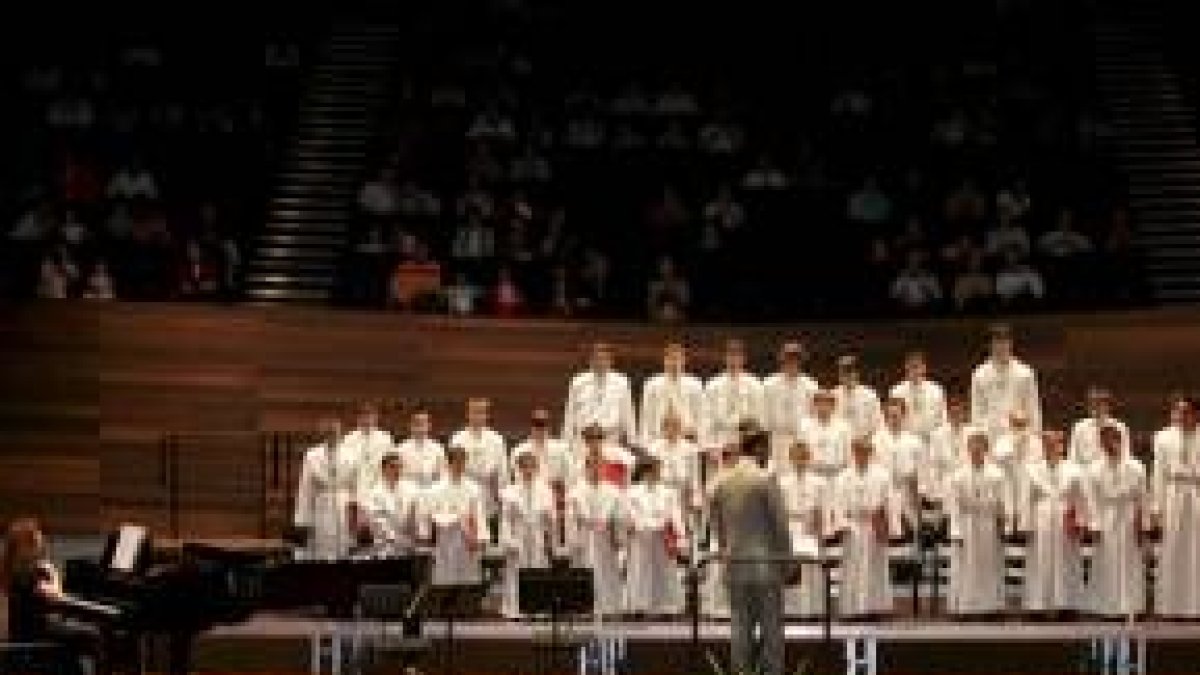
(624, 491)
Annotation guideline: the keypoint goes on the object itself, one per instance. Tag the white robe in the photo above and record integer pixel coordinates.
(395, 513)
(1176, 485)
(526, 531)
(369, 445)
(329, 483)
(1118, 493)
(860, 407)
(903, 454)
(486, 463)
(653, 581)
(731, 399)
(424, 461)
(858, 495)
(829, 442)
(1083, 447)
(926, 406)
(680, 469)
(604, 400)
(458, 524)
(976, 501)
(787, 400)
(998, 391)
(1053, 559)
(806, 497)
(556, 463)
(597, 518)
(947, 453)
(684, 395)
(1011, 452)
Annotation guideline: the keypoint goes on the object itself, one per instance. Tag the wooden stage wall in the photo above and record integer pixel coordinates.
(89, 390)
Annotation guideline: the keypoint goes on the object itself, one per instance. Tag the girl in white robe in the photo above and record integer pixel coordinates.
(526, 529)
(1176, 486)
(806, 497)
(866, 512)
(1117, 491)
(1052, 510)
(657, 538)
(457, 524)
(394, 508)
(328, 495)
(978, 503)
(596, 521)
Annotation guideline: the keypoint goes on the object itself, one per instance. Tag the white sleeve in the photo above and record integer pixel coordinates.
(628, 415)
(305, 494)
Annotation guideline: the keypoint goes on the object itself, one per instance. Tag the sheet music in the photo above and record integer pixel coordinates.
(129, 544)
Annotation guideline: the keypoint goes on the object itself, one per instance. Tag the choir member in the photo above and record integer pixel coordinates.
(596, 522)
(807, 500)
(948, 445)
(866, 514)
(1016, 447)
(327, 498)
(672, 392)
(733, 396)
(787, 400)
(599, 396)
(1052, 511)
(855, 402)
(1084, 446)
(681, 461)
(1003, 386)
(527, 519)
(827, 436)
(1119, 495)
(1176, 486)
(394, 508)
(657, 539)
(978, 502)
(556, 463)
(901, 452)
(487, 456)
(369, 442)
(456, 524)
(924, 399)
(423, 457)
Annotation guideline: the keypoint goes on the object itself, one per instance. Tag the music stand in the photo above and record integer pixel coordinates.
(558, 590)
(450, 602)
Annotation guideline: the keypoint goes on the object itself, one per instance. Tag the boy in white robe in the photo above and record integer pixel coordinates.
(1015, 448)
(807, 499)
(369, 442)
(924, 399)
(733, 396)
(394, 509)
(1176, 490)
(978, 504)
(423, 457)
(597, 520)
(657, 539)
(681, 459)
(1119, 495)
(599, 396)
(526, 528)
(327, 497)
(487, 456)
(827, 436)
(1052, 510)
(866, 514)
(787, 400)
(902, 453)
(1084, 446)
(456, 524)
(948, 447)
(1003, 386)
(855, 402)
(673, 391)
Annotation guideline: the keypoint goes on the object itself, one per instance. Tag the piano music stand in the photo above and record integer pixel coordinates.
(557, 590)
(451, 602)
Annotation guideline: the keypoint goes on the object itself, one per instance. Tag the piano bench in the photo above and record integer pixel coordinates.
(36, 658)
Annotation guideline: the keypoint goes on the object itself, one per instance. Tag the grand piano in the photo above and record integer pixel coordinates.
(139, 594)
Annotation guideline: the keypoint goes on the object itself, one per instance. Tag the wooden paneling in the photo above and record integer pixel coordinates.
(88, 391)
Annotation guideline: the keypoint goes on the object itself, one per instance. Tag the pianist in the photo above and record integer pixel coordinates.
(35, 593)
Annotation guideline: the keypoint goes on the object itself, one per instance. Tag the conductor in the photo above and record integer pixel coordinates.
(751, 522)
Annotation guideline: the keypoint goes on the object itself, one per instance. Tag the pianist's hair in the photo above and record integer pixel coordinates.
(23, 547)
